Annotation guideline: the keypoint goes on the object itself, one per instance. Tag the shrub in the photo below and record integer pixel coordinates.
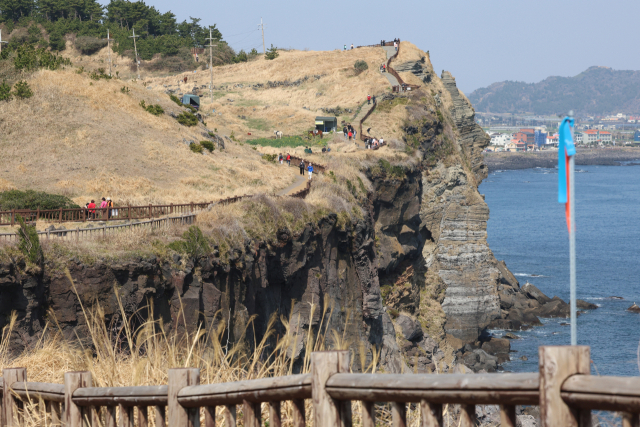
(193, 243)
(270, 157)
(187, 118)
(89, 45)
(5, 91)
(360, 66)
(29, 243)
(30, 199)
(176, 99)
(241, 57)
(56, 41)
(100, 74)
(125, 90)
(29, 58)
(22, 90)
(272, 53)
(154, 109)
(208, 145)
(196, 148)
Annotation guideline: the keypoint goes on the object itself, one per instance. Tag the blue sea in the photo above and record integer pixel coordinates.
(527, 230)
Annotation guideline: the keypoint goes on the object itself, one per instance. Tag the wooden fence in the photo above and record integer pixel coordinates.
(75, 234)
(103, 214)
(563, 388)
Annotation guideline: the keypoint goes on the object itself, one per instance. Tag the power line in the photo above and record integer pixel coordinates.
(246, 32)
(261, 27)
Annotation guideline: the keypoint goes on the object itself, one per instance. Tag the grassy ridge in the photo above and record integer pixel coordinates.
(289, 141)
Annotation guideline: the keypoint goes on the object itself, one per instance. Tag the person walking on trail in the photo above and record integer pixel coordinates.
(302, 167)
(345, 131)
(288, 159)
(109, 207)
(280, 158)
(374, 101)
(310, 169)
(345, 47)
(351, 46)
(368, 99)
(350, 134)
(395, 44)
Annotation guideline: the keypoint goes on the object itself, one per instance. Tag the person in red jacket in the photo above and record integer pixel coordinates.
(368, 99)
(288, 159)
(92, 209)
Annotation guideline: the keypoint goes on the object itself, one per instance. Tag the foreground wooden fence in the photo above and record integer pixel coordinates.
(563, 389)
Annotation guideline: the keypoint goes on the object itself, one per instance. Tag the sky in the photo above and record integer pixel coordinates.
(479, 42)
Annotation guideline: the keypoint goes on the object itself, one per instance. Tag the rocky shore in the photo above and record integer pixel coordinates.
(549, 159)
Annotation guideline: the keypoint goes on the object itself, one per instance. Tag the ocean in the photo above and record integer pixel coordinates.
(527, 230)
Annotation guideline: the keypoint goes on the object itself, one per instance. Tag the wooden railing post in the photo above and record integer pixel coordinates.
(161, 416)
(210, 416)
(13, 217)
(275, 414)
(368, 414)
(129, 209)
(178, 415)
(507, 415)
(60, 218)
(230, 416)
(10, 405)
(467, 416)
(557, 363)
(72, 416)
(399, 414)
(430, 414)
(630, 420)
(150, 215)
(327, 411)
(252, 412)
(299, 416)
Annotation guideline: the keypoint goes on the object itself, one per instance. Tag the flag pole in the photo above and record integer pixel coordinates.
(572, 244)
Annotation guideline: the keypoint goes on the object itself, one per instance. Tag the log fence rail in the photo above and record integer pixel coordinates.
(563, 389)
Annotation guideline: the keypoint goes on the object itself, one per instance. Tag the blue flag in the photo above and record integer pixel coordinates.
(566, 149)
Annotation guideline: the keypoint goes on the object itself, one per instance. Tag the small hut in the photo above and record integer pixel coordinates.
(190, 99)
(326, 124)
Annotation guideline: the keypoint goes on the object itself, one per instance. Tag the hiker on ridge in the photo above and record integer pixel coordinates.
(302, 167)
(288, 159)
(368, 99)
(310, 169)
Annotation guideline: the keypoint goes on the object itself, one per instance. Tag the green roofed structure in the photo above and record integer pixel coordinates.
(326, 124)
(193, 100)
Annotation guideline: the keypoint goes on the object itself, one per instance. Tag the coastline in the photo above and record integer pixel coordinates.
(549, 159)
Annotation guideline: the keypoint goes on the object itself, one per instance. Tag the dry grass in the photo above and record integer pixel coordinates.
(90, 140)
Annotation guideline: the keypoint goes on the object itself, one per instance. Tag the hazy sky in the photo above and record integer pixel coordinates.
(480, 42)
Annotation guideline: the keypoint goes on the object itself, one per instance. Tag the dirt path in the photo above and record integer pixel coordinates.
(299, 184)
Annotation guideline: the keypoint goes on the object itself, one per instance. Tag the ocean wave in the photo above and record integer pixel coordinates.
(528, 275)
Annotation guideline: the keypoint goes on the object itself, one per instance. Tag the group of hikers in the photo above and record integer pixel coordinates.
(308, 166)
(106, 205)
(349, 132)
(373, 143)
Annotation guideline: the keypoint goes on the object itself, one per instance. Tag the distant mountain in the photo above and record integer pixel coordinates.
(596, 91)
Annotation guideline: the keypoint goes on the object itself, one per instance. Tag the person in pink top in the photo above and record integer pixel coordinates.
(103, 205)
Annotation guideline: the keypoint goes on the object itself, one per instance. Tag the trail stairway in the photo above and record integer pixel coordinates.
(390, 50)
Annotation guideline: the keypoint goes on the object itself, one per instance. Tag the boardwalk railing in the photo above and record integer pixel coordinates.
(102, 214)
(563, 389)
(84, 233)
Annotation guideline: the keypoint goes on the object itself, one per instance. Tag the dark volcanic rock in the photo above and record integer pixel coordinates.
(499, 347)
(480, 360)
(634, 308)
(535, 293)
(555, 308)
(409, 328)
(584, 305)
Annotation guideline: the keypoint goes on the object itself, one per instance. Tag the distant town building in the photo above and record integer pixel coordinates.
(636, 136)
(501, 139)
(552, 140)
(596, 136)
(540, 138)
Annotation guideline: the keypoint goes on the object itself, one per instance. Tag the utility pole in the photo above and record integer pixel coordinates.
(211, 46)
(109, 46)
(136, 52)
(261, 27)
(1, 40)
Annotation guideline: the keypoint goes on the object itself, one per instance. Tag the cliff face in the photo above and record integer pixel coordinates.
(322, 265)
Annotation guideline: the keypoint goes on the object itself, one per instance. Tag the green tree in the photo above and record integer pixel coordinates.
(5, 91)
(272, 53)
(22, 90)
(29, 243)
